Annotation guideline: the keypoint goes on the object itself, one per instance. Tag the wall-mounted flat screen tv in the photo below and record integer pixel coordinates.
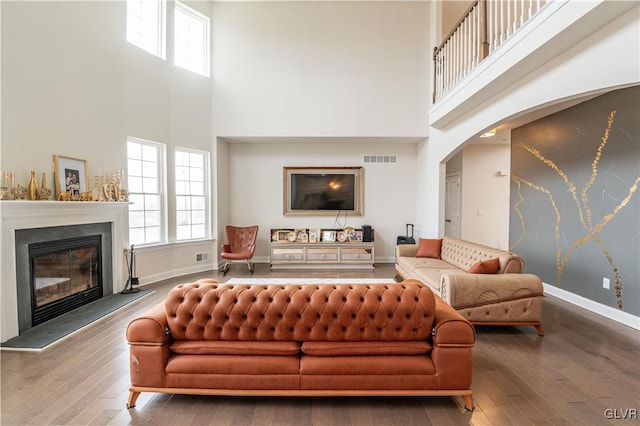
(323, 190)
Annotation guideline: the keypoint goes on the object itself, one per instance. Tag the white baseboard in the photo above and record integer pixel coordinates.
(267, 259)
(595, 307)
(165, 275)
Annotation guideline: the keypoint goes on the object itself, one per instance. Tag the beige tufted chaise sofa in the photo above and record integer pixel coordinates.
(508, 297)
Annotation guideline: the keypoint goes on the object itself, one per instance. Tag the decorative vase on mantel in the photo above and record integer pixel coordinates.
(43, 192)
(33, 187)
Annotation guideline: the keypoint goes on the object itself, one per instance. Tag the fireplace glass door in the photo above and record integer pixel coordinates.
(64, 275)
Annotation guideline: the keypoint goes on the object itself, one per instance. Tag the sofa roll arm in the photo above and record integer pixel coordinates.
(406, 250)
(468, 290)
(450, 329)
(151, 328)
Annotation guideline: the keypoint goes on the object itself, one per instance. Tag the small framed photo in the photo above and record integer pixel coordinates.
(70, 175)
(301, 235)
(356, 236)
(329, 236)
(282, 236)
(314, 235)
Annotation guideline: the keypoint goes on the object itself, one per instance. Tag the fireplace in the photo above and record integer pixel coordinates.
(65, 274)
(61, 268)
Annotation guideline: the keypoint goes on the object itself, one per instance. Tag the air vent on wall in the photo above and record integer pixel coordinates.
(202, 257)
(379, 159)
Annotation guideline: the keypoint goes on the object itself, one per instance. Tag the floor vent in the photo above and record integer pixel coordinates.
(379, 159)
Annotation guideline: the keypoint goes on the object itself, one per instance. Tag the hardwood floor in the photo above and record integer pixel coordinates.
(585, 369)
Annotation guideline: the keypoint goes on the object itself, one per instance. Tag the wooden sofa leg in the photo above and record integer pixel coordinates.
(539, 329)
(468, 402)
(133, 396)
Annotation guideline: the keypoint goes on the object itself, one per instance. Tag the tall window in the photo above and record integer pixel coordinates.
(191, 40)
(145, 164)
(146, 25)
(191, 194)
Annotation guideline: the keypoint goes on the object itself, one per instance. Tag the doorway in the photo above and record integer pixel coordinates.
(452, 205)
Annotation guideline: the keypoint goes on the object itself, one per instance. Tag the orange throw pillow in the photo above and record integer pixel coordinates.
(489, 266)
(429, 248)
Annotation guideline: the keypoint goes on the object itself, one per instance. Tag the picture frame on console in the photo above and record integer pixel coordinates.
(70, 175)
(314, 235)
(329, 236)
(323, 191)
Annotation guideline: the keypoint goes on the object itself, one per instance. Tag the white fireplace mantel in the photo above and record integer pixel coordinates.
(20, 214)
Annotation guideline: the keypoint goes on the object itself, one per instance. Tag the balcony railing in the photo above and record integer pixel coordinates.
(485, 26)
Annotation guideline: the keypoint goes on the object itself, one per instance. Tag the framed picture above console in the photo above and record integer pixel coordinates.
(315, 191)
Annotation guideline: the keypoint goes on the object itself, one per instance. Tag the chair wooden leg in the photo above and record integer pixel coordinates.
(468, 402)
(540, 330)
(250, 265)
(133, 396)
(224, 268)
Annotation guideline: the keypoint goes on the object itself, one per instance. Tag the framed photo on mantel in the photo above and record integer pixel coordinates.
(70, 175)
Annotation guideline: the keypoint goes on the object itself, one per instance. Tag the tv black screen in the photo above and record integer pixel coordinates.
(331, 191)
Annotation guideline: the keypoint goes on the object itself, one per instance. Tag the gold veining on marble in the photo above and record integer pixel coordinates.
(582, 204)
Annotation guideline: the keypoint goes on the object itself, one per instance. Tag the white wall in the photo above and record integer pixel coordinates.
(485, 194)
(321, 69)
(319, 83)
(72, 85)
(256, 188)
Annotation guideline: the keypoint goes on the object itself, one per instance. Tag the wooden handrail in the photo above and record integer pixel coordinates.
(484, 27)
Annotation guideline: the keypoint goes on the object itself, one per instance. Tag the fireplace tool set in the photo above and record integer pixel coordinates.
(131, 266)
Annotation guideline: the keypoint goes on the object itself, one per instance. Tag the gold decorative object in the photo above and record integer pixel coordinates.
(99, 184)
(19, 192)
(7, 181)
(86, 196)
(43, 192)
(33, 186)
(110, 186)
(64, 196)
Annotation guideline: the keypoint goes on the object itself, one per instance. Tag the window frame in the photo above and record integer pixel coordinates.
(162, 190)
(161, 26)
(206, 161)
(206, 48)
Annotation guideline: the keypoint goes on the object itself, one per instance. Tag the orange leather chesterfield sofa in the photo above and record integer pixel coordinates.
(302, 340)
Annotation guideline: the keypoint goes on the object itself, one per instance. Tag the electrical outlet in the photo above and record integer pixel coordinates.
(605, 283)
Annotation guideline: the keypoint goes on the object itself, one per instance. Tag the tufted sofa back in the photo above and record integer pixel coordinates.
(463, 254)
(206, 310)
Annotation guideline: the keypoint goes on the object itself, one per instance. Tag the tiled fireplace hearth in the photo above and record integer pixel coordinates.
(89, 236)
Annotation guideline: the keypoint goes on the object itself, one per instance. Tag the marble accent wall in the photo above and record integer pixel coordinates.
(575, 203)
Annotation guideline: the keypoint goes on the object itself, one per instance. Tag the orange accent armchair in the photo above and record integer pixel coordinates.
(241, 243)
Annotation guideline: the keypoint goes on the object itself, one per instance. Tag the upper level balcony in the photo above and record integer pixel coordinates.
(501, 43)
